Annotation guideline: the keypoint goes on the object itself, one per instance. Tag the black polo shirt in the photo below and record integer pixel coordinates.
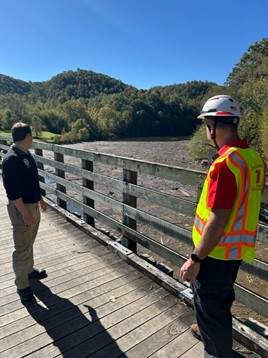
(20, 176)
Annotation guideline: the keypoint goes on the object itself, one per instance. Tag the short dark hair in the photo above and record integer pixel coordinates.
(228, 120)
(20, 130)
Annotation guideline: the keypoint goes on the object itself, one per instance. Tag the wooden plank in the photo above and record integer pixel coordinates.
(89, 184)
(5, 148)
(177, 347)
(139, 335)
(180, 205)
(62, 265)
(117, 325)
(262, 233)
(189, 177)
(67, 271)
(60, 174)
(129, 200)
(45, 146)
(102, 286)
(251, 299)
(78, 285)
(156, 336)
(196, 351)
(62, 253)
(53, 316)
(250, 338)
(82, 329)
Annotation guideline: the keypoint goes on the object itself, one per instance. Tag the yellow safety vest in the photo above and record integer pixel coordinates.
(238, 238)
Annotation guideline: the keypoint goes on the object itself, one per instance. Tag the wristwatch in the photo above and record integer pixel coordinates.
(195, 258)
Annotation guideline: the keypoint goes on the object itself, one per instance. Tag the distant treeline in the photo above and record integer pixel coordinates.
(84, 105)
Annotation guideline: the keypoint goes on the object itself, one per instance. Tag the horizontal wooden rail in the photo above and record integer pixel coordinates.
(74, 182)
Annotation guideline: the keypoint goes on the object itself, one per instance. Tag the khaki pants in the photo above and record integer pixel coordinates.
(24, 238)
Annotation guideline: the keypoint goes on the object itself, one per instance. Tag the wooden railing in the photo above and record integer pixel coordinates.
(109, 190)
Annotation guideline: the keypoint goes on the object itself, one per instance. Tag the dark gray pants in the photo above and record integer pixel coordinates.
(213, 297)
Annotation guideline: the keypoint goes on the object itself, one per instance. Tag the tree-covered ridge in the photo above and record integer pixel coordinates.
(9, 85)
(84, 105)
(195, 90)
(66, 85)
(81, 84)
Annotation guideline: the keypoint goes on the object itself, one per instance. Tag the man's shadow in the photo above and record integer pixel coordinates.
(72, 332)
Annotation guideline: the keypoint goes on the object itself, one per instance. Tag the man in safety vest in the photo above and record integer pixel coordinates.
(225, 225)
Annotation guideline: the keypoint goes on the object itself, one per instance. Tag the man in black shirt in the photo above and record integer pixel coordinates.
(20, 177)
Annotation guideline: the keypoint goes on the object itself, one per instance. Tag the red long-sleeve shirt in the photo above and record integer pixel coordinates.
(222, 189)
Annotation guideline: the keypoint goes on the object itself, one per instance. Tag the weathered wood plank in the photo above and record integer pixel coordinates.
(78, 285)
(143, 333)
(155, 336)
(118, 324)
(177, 347)
(68, 335)
(186, 207)
(64, 311)
(102, 286)
(196, 351)
(189, 177)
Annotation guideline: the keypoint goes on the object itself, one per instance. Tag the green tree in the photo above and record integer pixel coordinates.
(248, 83)
(37, 125)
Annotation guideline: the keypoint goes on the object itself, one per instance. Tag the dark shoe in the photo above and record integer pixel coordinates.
(37, 274)
(26, 294)
(195, 331)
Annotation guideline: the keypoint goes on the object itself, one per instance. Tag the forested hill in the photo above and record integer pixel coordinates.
(9, 85)
(84, 105)
(67, 85)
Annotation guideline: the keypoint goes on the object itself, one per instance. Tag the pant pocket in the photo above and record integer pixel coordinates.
(15, 217)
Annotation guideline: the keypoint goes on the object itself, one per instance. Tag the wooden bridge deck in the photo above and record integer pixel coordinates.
(92, 304)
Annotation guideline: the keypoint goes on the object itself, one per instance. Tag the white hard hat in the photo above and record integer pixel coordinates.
(220, 106)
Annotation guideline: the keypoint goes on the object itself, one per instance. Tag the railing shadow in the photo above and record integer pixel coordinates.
(74, 334)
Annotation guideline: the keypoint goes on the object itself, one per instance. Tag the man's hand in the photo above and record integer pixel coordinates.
(27, 218)
(43, 205)
(189, 271)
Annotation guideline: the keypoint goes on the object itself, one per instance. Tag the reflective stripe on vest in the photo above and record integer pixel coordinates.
(238, 239)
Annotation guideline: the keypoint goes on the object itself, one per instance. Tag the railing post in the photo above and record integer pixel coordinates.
(129, 177)
(60, 173)
(39, 152)
(89, 184)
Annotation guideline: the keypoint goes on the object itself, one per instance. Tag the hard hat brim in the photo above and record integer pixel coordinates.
(216, 114)
(206, 114)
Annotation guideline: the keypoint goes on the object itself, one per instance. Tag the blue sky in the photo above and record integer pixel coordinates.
(143, 43)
